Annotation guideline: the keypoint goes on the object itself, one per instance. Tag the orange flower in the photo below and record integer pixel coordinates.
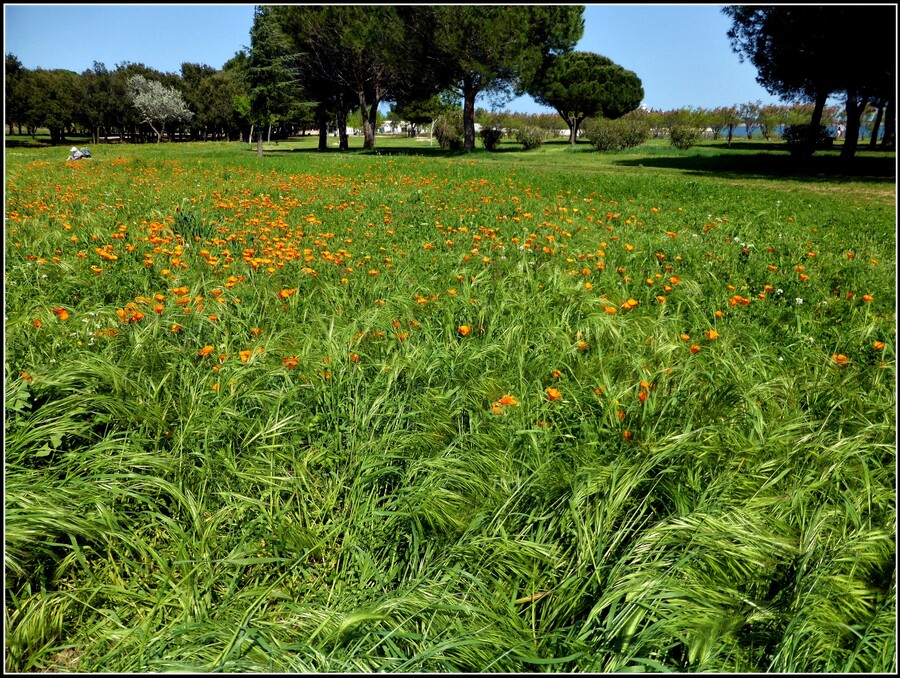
(867, 298)
(553, 393)
(507, 400)
(205, 351)
(841, 359)
(556, 374)
(627, 435)
(37, 323)
(464, 330)
(712, 335)
(215, 387)
(878, 345)
(695, 348)
(176, 328)
(285, 293)
(642, 396)
(61, 313)
(685, 337)
(256, 331)
(290, 362)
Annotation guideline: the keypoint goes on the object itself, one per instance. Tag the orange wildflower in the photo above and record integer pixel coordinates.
(507, 400)
(61, 313)
(245, 355)
(290, 362)
(553, 393)
(285, 293)
(712, 335)
(867, 298)
(878, 345)
(205, 351)
(841, 359)
(695, 348)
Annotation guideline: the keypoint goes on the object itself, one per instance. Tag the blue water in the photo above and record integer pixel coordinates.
(865, 131)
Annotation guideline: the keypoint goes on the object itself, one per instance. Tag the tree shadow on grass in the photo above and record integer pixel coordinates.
(775, 164)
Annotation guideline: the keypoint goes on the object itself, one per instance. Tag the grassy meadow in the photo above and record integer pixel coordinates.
(417, 411)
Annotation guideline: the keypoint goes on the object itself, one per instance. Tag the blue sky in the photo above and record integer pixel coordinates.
(680, 52)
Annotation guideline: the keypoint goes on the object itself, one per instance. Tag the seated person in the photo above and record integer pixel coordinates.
(76, 154)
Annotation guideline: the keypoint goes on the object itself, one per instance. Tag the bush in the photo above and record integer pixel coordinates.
(682, 137)
(530, 137)
(490, 137)
(449, 132)
(613, 135)
(803, 140)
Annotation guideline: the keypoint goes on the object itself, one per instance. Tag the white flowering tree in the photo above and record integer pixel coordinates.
(157, 104)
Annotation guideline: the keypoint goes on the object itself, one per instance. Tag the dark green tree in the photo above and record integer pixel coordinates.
(15, 75)
(492, 49)
(580, 85)
(270, 73)
(811, 52)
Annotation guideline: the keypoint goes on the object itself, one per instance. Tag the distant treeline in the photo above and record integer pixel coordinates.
(96, 104)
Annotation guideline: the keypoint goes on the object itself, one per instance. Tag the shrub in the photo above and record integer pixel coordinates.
(682, 137)
(802, 140)
(490, 137)
(613, 135)
(449, 132)
(530, 137)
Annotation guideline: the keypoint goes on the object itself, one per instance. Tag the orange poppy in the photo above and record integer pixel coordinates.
(205, 351)
(464, 330)
(841, 359)
(553, 393)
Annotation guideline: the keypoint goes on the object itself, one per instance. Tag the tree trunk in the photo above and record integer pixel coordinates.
(369, 118)
(873, 140)
(250, 138)
(322, 120)
(343, 142)
(259, 151)
(818, 109)
(887, 140)
(854, 108)
(469, 94)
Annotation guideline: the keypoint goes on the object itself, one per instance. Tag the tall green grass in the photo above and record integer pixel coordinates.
(730, 509)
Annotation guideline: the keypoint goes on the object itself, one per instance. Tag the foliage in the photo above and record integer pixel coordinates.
(156, 103)
(683, 137)
(490, 137)
(530, 137)
(614, 135)
(808, 52)
(803, 140)
(495, 50)
(448, 130)
(582, 84)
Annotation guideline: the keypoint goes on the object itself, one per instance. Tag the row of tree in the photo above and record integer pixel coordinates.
(314, 66)
(813, 52)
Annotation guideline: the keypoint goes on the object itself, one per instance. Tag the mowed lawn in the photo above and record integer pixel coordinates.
(412, 411)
